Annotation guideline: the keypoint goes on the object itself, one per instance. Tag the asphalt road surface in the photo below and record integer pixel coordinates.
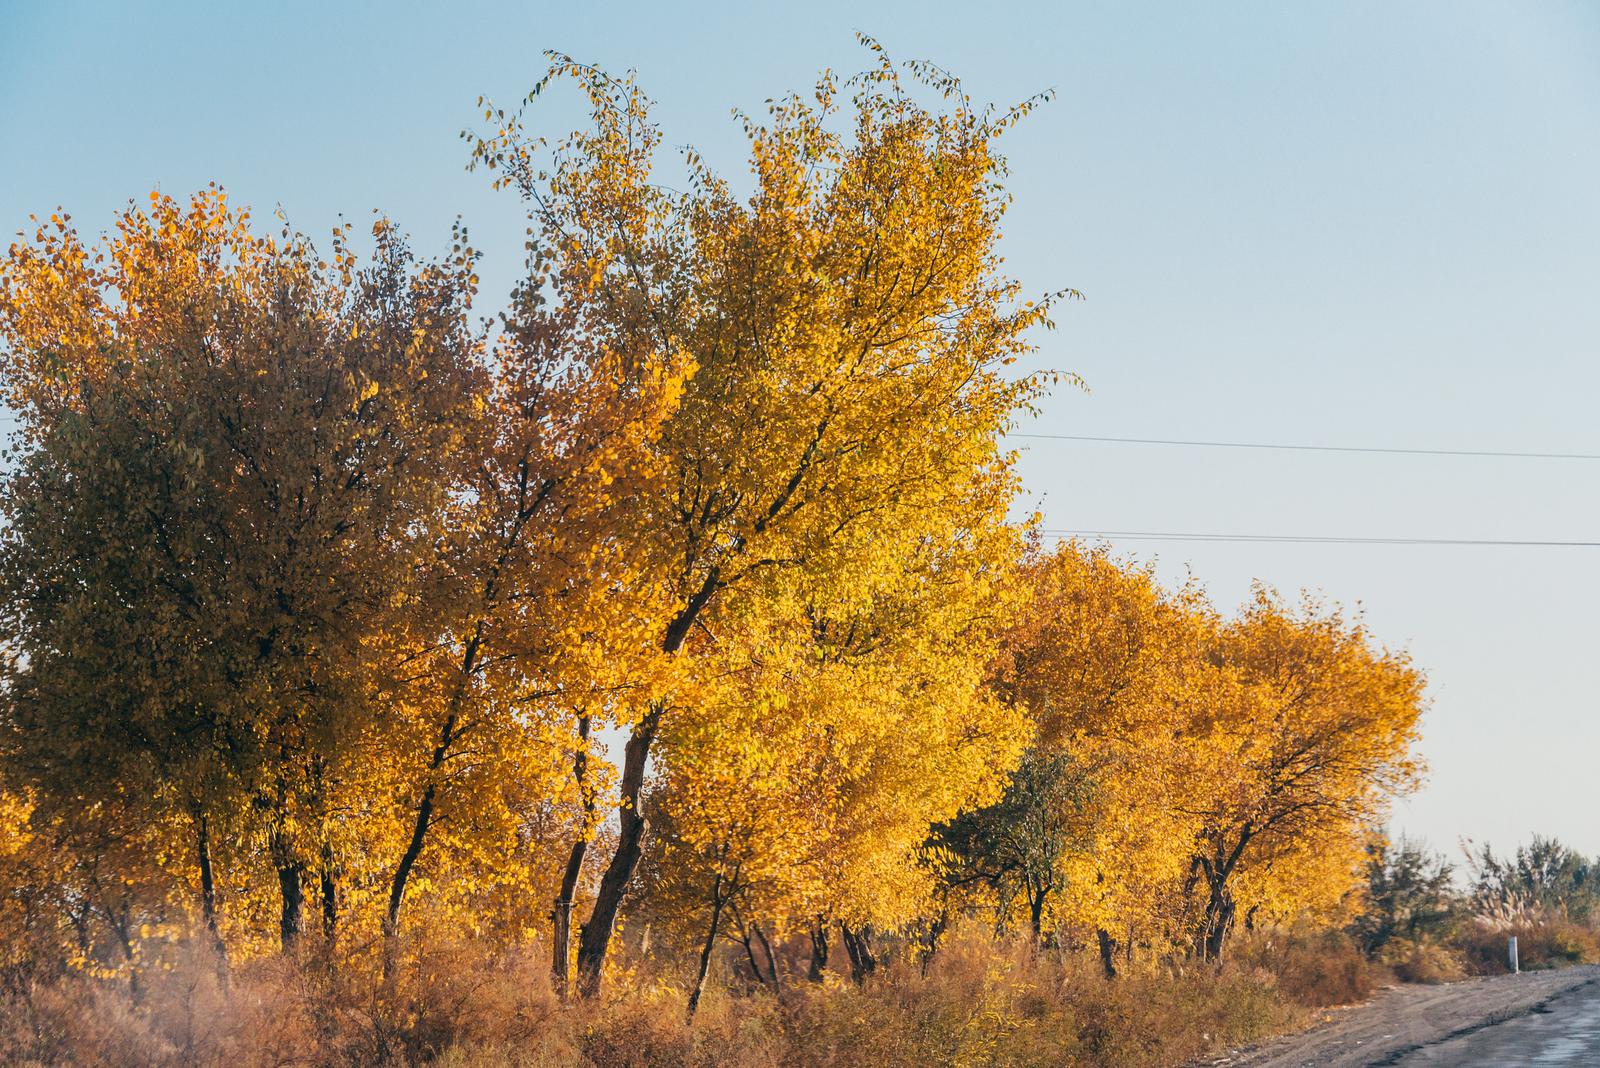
(1537, 1019)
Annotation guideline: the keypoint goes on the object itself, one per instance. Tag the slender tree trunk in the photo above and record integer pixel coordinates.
(1036, 914)
(819, 951)
(930, 944)
(561, 914)
(208, 892)
(772, 960)
(424, 818)
(707, 948)
(750, 953)
(1108, 953)
(595, 938)
(561, 923)
(330, 895)
(121, 927)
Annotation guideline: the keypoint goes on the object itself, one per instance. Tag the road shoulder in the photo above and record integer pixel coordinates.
(1403, 1019)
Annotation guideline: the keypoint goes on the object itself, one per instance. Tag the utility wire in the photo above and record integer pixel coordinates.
(1315, 448)
(1312, 539)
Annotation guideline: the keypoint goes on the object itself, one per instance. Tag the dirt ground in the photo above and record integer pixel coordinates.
(1402, 1024)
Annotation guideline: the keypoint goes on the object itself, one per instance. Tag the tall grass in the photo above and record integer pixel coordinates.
(979, 1003)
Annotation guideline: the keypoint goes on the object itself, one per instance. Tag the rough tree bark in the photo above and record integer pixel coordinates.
(291, 890)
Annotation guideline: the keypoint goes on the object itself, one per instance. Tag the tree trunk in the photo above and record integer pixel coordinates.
(419, 827)
(291, 889)
(772, 960)
(595, 938)
(819, 951)
(1219, 903)
(1108, 953)
(930, 943)
(330, 896)
(708, 947)
(1036, 914)
(397, 885)
(749, 948)
(561, 937)
(120, 926)
(1219, 921)
(208, 892)
(561, 914)
(859, 946)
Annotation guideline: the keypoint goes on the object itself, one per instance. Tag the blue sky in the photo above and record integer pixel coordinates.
(1351, 224)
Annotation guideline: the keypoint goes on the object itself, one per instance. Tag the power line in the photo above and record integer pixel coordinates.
(1315, 448)
(1312, 539)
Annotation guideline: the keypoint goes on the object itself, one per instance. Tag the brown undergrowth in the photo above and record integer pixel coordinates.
(979, 1002)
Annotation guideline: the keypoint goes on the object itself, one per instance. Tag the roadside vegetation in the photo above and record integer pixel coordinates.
(657, 674)
(1431, 921)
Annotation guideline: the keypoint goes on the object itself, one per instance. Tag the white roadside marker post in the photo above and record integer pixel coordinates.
(1511, 951)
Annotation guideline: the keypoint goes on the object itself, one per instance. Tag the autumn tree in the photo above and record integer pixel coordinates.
(1310, 729)
(849, 327)
(545, 609)
(231, 451)
(798, 791)
(1092, 825)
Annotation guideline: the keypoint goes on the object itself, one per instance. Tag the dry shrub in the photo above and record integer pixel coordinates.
(1424, 962)
(1541, 943)
(1316, 969)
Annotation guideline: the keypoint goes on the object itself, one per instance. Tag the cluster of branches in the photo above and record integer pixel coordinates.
(686, 585)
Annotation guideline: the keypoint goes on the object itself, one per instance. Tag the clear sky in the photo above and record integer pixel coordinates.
(1370, 224)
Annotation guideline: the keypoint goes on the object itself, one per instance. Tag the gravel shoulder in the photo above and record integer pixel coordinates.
(1404, 1019)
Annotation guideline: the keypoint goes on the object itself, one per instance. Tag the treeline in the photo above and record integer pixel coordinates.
(683, 597)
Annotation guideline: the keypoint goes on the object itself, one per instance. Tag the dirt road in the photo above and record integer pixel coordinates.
(1535, 1018)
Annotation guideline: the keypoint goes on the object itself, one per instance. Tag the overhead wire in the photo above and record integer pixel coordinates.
(1291, 447)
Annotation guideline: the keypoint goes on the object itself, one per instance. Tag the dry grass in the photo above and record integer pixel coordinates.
(979, 1004)
(1541, 943)
(1316, 969)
